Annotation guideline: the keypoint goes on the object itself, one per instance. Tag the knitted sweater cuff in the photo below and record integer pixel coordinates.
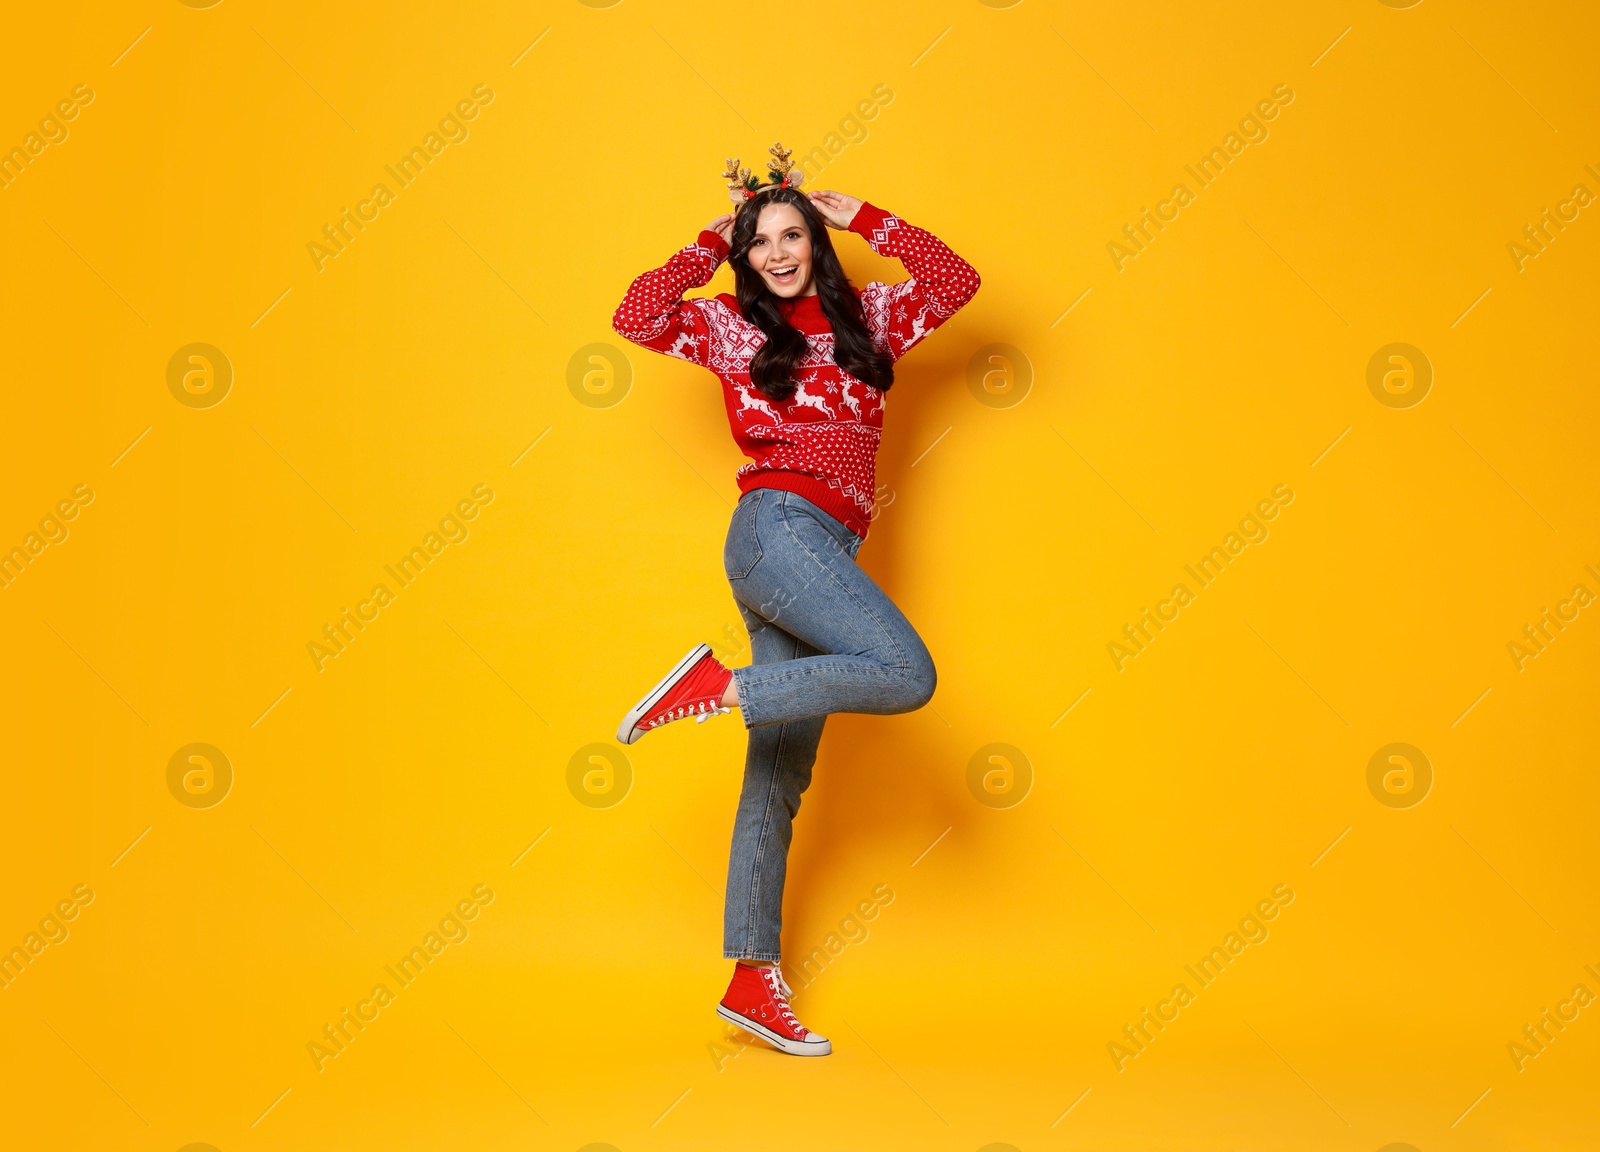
(868, 217)
(713, 241)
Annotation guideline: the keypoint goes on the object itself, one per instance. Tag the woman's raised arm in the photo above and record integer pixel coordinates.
(900, 315)
(654, 313)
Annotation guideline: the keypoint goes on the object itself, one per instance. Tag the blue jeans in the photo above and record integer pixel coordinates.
(823, 638)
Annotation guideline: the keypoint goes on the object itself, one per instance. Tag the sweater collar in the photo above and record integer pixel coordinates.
(805, 313)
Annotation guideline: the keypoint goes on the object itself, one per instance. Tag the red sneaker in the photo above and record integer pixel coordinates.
(757, 1000)
(693, 688)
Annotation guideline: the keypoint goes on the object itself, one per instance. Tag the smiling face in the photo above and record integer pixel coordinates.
(780, 251)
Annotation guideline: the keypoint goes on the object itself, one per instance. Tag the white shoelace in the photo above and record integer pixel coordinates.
(779, 987)
(701, 713)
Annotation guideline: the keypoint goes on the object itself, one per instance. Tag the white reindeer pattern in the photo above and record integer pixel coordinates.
(919, 327)
(804, 399)
(850, 401)
(748, 402)
(677, 349)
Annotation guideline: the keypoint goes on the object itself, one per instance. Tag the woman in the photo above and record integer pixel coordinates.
(804, 360)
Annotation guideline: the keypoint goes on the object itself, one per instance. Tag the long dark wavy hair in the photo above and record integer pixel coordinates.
(771, 370)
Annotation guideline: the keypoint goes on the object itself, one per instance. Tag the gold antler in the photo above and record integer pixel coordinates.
(738, 180)
(735, 175)
(781, 169)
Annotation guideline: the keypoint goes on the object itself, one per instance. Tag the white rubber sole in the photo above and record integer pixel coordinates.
(628, 732)
(782, 1043)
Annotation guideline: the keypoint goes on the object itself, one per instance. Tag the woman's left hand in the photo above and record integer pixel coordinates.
(835, 208)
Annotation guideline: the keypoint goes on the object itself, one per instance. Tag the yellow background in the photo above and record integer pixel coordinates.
(424, 760)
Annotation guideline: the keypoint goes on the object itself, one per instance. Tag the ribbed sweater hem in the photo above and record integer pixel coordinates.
(824, 495)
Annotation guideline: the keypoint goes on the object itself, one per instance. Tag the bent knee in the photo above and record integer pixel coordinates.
(918, 678)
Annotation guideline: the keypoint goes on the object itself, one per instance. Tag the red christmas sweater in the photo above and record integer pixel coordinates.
(822, 443)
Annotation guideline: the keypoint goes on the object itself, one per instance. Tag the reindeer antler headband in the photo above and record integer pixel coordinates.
(781, 173)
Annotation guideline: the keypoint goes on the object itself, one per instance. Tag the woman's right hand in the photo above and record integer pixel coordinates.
(723, 226)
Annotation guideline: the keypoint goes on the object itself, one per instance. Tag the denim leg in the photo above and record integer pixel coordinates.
(824, 638)
(793, 565)
(777, 770)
